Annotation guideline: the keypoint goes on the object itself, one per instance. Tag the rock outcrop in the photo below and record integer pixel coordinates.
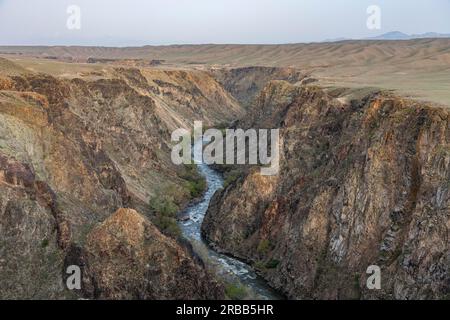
(246, 83)
(74, 149)
(32, 231)
(126, 257)
(364, 180)
(181, 97)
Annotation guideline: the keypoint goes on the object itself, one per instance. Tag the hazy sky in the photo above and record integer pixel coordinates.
(140, 22)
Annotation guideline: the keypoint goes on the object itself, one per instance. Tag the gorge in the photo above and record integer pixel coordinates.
(86, 179)
(364, 180)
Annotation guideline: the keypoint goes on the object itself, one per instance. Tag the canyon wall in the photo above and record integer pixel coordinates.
(73, 150)
(364, 180)
(246, 83)
(126, 257)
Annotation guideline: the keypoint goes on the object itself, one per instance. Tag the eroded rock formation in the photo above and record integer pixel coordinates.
(73, 150)
(126, 257)
(364, 180)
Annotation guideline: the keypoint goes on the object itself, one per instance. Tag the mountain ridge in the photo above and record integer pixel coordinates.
(398, 35)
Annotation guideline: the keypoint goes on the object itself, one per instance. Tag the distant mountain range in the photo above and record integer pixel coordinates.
(397, 35)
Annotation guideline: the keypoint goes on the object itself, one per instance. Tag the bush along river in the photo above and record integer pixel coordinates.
(242, 280)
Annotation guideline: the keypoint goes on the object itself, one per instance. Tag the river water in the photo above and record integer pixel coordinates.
(226, 267)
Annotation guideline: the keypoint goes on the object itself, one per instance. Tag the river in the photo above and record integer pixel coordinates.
(226, 267)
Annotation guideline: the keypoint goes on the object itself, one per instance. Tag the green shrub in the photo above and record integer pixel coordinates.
(259, 265)
(235, 291)
(167, 225)
(230, 177)
(272, 264)
(264, 247)
(196, 184)
(163, 204)
(196, 188)
(356, 292)
(44, 243)
(165, 210)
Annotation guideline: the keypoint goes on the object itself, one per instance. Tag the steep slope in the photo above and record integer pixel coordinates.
(73, 150)
(126, 257)
(182, 97)
(32, 233)
(364, 180)
(246, 83)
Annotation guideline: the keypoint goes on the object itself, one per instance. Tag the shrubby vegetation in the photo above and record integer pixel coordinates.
(44, 243)
(165, 204)
(165, 210)
(196, 184)
(235, 291)
(272, 264)
(264, 247)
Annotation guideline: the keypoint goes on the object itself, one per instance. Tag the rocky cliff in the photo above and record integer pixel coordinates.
(74, 149)
(364, 180)
(126, 257)
(246, 83)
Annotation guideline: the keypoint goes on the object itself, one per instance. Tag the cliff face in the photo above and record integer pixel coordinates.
(247, 82)
(32, 232)
(184, 96)
(73, 150)
(364, 180)
(126, 257)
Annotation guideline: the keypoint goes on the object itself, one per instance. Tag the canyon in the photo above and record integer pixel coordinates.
(75, 150)
(86, 176)
(364, 180)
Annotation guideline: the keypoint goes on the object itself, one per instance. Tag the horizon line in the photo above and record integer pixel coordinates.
(220, 44)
